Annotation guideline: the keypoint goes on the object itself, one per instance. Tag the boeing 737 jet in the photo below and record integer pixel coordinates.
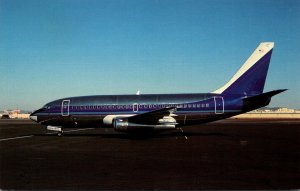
(129, 113)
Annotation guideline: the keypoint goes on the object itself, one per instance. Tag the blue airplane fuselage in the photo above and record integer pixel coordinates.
(191, 108)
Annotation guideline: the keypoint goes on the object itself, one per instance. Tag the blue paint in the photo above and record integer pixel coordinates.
(252, 82)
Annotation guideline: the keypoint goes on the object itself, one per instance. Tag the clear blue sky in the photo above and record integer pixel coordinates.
(52, 49)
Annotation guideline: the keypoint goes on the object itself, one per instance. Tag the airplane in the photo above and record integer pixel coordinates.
(131, 113)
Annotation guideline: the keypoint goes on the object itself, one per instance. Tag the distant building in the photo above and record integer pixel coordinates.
(14, 114)
(5, 116)
(282, 112)
(285, 110)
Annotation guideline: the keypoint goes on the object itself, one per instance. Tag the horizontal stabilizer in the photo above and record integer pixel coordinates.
(264, 95)
(260, 100)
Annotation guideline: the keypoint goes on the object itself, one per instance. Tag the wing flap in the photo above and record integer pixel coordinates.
(164, 115)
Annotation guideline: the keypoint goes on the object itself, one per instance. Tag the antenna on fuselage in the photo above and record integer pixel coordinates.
(138, 92)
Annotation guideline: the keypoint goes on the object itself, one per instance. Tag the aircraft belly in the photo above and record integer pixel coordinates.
(198, 118)
(86, 120)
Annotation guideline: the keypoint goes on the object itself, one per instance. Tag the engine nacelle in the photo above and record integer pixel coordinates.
(120, 124)
(123, 125)
(167, 120)
(108, 120)
(54, 128)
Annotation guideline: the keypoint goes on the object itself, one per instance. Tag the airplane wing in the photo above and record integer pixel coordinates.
(160, 116)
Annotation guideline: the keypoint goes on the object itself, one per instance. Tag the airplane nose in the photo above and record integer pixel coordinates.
(33, 117)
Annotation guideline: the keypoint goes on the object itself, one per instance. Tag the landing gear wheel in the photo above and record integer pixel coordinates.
(60, 133)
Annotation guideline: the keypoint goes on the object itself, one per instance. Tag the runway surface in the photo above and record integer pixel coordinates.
(230, 154)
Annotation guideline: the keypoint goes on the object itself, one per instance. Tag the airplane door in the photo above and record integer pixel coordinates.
(65, 107)
(135, 107)
(219, 104)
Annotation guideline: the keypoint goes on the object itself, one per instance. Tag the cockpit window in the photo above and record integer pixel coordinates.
(46, 107)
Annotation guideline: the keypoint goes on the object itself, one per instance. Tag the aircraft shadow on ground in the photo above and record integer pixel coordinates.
(135, 136)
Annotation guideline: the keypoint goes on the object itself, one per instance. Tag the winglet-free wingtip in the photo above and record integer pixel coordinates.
(265, 95)
(282, 90)
(275, 92)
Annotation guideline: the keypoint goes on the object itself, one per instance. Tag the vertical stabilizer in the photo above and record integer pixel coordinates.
(250, 78)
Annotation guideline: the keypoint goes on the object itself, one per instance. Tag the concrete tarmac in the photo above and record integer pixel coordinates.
(230, 154)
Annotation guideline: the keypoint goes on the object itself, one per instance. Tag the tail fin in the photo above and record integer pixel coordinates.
(250, 78)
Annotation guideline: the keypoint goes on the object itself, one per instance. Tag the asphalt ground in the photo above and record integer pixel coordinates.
(230, 154)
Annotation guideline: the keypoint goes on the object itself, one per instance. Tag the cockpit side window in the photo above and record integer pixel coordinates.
(46, 107)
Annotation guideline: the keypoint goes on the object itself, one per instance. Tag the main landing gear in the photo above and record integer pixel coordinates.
(60, 133)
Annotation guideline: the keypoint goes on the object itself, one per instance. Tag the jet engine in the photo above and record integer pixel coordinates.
(123, 125)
